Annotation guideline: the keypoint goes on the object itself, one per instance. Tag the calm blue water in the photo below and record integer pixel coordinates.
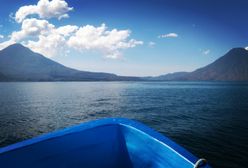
(208, 119)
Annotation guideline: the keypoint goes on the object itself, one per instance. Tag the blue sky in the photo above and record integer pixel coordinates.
(128, 37)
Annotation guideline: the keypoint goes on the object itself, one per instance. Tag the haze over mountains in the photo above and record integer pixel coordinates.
(18, 63)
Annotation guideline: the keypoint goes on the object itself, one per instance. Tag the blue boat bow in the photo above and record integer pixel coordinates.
(106, 143)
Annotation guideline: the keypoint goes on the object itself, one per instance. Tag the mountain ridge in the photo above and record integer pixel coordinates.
(233, 66)
(19, 63)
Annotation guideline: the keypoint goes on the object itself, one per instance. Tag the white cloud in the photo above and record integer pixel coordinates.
(50, 46)
(32, 28)
(44, 9)
(109, 42)
(53, 43)
(67, 30)
(42, 37)
(1, 36)
(87, 38)
(206, 52)
(169, 35)
(49, 40)
(246, 48)
(151, 44)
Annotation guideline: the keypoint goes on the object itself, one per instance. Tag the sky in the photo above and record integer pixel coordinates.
(134, 38)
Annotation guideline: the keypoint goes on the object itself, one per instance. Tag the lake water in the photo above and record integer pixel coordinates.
(210, 119)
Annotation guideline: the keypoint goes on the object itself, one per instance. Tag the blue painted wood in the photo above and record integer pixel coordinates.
(106, 143)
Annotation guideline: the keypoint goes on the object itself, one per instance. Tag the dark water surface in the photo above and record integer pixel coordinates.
(210, 119)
